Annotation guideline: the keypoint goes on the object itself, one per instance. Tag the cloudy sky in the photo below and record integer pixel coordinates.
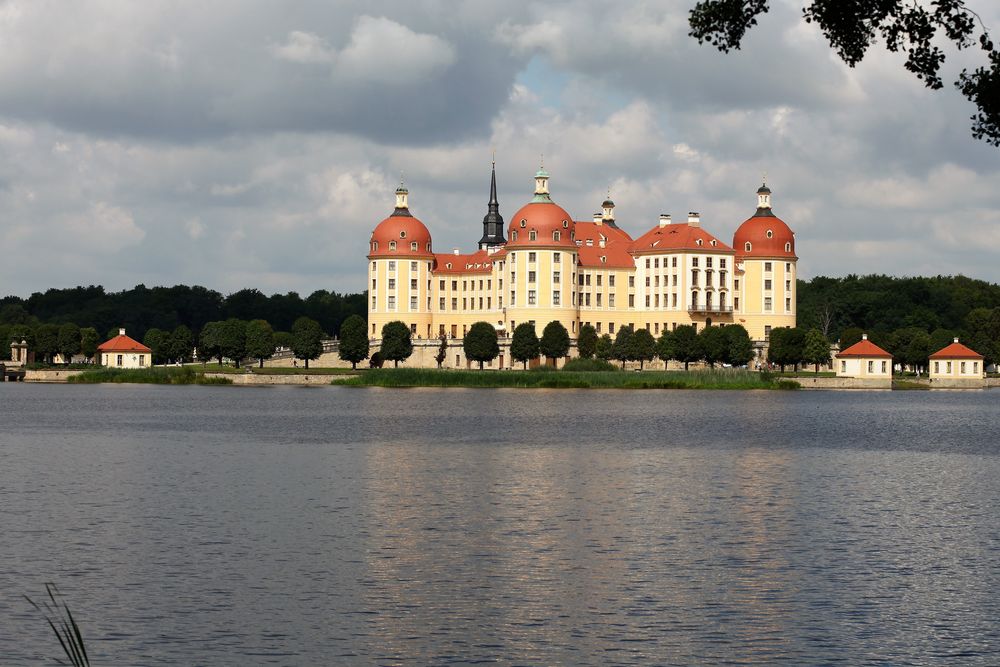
(239, 143)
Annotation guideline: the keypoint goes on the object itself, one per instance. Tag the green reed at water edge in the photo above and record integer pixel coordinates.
(60, 619)
(161, 375)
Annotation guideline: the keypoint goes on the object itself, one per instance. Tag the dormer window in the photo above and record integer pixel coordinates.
(788, 247)
(374, 246)
(565, 224)
(699, 242)
(413, 246)
(556, 235)
(713, 242)
(402, 234)
(532, 235)
(770, 233)
(428, 246)
(448, 265)
(524, 223)
(392, 245)
(604, 259)
(747, 246)
(513, 235)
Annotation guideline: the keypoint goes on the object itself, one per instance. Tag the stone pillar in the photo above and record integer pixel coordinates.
(18, 353)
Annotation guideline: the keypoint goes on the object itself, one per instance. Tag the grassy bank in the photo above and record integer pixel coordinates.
(270, 370)
(551, 379)
(169, 375)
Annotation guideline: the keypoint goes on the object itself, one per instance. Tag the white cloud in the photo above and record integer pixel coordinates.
(385, 52)
(304, 47)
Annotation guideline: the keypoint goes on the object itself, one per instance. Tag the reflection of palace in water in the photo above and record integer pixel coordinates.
(549, 266)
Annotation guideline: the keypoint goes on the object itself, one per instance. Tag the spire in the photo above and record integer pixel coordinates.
(492, 221)
(402, 199)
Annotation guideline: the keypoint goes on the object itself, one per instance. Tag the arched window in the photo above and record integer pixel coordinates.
(747, 246)
(532, 235)
(374, 246)
(413, 246)
(556, 235)
(698, 242)
(402, 233)
(392, 245)
(713, 242)
(788, 247)
(428, 246)
(513, 235)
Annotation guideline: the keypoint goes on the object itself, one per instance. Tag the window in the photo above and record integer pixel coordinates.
(392, 245)
(694, 276)
(402, 234)
(454, 303)
(694, 261)
(611, 327)
(611, 300)
(581, 280)
(587, 280)
(736, 283)
(788, 266)
(673, 299)
(673, 262)
(947, 366)
(555, 277)
(413, 283)
(531, 257)
(767, 267)
(788, 285)
(722, 263)
(647, 281)
(961, 369)
(513, 237)
(531, 297)
(392, 265)
(694, 300)
(674, 281)
(769, 233)
(767, 332)
(871, 366)
(532, 235)
(767, 304)
(555, 297)
(392, 303)
(598, 279)
(413, 328)
(975, 367)
(843, 366)
(611, 280)
(555, 258)
(531, 276)
(656, 282)
(465, 285)
(599, 295)
(413, 303)
(597, 327)
(556, 235)
(647, 301)
(647, 262)
(454, 285)
(480, 284)
(767, 284)
(441, 303)
(788, 247)
(373, 303)
(586, 299)
(788, 304)
(722, 278)
(631, 300)
(631, 281)
(513, 297)
(657, 302)
(142, 361)
(523, 223)
(708, 262)
(747, 246)
(937, 366)
(392, 283)
(413, 246)
(374, 246)
(441, 285)
(736, 303)
(480, 303)
(465, 303)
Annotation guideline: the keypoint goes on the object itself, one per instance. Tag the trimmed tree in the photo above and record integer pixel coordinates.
(686, 346)
(524, 344)
(665, 346)
(816, 350)
(442, 352)
(69, 341)
(208, 342)
(643, 346)
(354, 340)
(307, 339)
(622, 349)
(89, 342)
(586, 344)
(46, 341)
(397, 342)
(605, 347)
(555, 341)
(260, 340)
(713, 344)
(156, 340)
(233, 340)
(480, 343)
(740, 347)
(181, 343)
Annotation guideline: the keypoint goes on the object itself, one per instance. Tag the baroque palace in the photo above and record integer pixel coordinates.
(549, 266)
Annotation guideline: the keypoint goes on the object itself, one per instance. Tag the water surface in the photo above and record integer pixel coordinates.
(295, 526)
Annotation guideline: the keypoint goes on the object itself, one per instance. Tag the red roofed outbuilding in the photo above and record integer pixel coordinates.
(124, 352)
(957, 365)
(864, 360)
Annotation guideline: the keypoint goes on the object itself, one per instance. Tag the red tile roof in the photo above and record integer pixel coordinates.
(615, 251)
(678, 236)
(956, 351)
(123, 343)
(477, 262)
(864, 348)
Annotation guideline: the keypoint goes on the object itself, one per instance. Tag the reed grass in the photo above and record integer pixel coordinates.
(552, 379)
(60, 619)
(160, 375)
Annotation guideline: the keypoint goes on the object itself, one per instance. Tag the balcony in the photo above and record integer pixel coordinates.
(702, 308)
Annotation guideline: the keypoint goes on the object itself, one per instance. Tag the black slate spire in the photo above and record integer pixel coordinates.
(493, 232)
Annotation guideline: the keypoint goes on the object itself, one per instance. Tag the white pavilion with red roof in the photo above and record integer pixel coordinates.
(124, 352)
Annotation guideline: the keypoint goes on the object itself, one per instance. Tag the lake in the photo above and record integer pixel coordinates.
(306, 526)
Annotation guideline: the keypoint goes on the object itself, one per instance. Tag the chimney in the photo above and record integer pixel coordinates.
(864, 336)
(694, 219)
(454, 251)
(599, 219)
(121, 332)
(956, 339)
(664, 219)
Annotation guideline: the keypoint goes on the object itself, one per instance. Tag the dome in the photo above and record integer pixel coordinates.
(548, 223)
(403, 231)
(767, 235)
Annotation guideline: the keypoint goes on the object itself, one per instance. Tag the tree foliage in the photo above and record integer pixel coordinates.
(686, 346)
(816, 349)
(260, 340)
(586, 343)
(605, 347)
(643, 346)
(555, 341)
(524, 344)
(70, 341)
(786, 346)
(621, 351)
(157, 341)
(354, 340)
(397, 343)
(851, 28)
(740, 347)
(307, 337)
(480, 343)
(714, 345)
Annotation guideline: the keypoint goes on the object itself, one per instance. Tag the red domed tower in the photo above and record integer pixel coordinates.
(765, 268)
(399, 271)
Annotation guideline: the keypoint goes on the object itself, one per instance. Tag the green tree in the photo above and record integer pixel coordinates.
(786, 346)
(181, 344)
(665, 346)
(816, 350)
(157, 341)
(555, 341)
(524, 344)
(643, 346)
(850, 336)
(307, 339)
(209, 342)
(5, 342)
(714, 345)
(14, 313)
(442, 352)
(586, 343)
(913, 28)
(982, 326)
(69, 341)
(259, 341)
(739, 346)
(605, 347)
(89, 342)
(480, 343)
(686, 345)
(917, 352)
(233, 340)
(46, 341)
(397, 344)
(622, 349)
(283, 339)
(354, 340)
